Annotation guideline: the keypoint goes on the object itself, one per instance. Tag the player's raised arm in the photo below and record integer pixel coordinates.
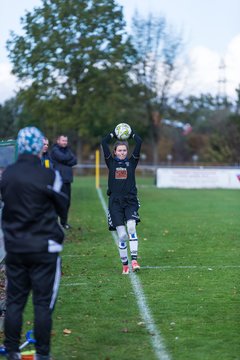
(105, 141)
(138, 141)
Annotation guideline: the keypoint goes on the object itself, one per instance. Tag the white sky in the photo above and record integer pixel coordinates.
(210, 29)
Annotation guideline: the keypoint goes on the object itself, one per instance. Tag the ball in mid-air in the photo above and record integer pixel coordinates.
(123, 131)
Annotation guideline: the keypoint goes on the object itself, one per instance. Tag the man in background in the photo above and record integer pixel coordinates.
(63, 161)
(46, 158)
(33, 239)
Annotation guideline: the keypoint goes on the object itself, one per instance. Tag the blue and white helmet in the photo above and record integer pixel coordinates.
(30, 140)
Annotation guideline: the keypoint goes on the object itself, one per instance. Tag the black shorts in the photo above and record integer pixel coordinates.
(122, 209)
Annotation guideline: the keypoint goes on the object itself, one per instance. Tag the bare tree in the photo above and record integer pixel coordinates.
(157, 69)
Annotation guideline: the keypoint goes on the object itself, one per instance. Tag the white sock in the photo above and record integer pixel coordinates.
(122, 244)
(133, 244)
(133, 240)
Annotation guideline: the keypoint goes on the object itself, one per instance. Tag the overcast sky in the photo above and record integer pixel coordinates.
(210, 29)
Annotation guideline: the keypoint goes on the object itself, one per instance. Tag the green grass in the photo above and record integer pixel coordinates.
(191, 237)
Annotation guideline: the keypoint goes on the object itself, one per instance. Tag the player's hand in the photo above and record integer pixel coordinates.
(132, 134)
(113, 134)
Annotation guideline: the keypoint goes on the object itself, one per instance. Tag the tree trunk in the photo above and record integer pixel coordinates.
(155, 153)
(154, 120)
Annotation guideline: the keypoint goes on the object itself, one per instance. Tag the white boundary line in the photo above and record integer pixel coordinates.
(174, 267)
(73, 284)
(169, 267)
(156, 338)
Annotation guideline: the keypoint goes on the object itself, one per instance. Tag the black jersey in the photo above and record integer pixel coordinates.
(121, 178)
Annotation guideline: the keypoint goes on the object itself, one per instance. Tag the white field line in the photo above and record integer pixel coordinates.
(169, 267)
(174, 267)
(163, 268)
(156, 338)
(73, 284)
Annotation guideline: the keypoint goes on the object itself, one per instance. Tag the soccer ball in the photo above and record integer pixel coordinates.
(123, 131)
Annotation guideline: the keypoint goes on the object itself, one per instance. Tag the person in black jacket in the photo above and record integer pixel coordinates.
(33, 239)
(63, 160)
(46, 159)
(122, 191)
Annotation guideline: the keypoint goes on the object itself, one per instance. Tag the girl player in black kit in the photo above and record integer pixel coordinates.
(123, 202)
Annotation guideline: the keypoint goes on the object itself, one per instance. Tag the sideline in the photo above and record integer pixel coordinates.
(156, 338)
(198, 267)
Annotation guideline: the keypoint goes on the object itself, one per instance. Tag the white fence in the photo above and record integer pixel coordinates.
(198, 178)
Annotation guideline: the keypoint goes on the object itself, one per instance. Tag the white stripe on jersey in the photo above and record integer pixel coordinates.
(56, 283)
(57, 185)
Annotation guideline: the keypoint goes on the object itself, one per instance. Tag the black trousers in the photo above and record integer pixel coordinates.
(66, 189)
(39, 272)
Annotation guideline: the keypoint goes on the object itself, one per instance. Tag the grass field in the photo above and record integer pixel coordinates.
(189, 253)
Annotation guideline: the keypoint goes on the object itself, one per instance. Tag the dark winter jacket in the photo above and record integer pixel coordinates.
(63, 161)
(46, 160)
(32, 204)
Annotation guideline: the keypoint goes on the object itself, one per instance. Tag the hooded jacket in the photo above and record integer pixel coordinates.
(32, 203)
